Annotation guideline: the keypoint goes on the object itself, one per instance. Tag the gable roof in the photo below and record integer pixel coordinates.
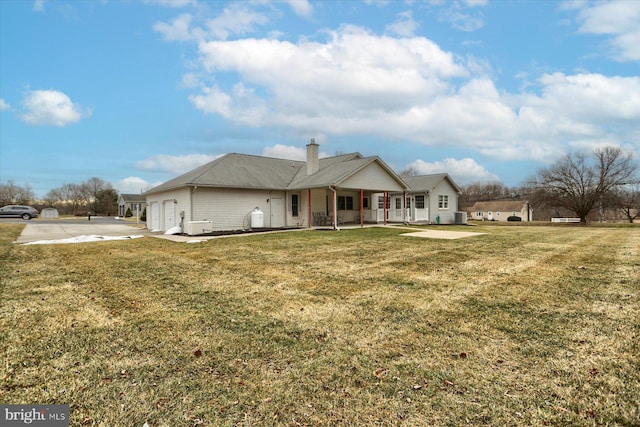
(499, 206)
(335, 170)
(135, 198)
(429, 182)
(237, 171)
(248, 171)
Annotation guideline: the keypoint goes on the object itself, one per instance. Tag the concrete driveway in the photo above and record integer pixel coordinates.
(35, 231)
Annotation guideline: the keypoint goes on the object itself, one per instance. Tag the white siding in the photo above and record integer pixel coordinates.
(372, 177)
(447, 216)
(175, 201)
(230, 209)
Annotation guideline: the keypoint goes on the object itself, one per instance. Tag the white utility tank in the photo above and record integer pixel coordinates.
(257, 218)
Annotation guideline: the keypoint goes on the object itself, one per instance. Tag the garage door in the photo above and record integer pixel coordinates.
(155, 216)
(169, 214)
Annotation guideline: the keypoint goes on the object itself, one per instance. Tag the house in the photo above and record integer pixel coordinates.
(501, 210)
(238, 192)
(430, 198)
(135, 202)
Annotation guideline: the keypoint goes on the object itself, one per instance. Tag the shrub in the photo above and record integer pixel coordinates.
(128, 214)
(514, 218)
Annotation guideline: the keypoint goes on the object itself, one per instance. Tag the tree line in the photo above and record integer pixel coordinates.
(94, 196)
(591, 186)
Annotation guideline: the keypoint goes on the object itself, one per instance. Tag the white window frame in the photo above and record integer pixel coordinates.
(443, 201)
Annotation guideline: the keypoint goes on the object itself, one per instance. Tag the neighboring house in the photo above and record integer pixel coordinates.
(501, 210)
(135, 202)
(228, 192)
(430, 198)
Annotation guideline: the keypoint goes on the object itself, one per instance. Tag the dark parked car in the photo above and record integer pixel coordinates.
(514, 218)
(16, 211)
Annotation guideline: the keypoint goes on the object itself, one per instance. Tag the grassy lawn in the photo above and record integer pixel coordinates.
(519, 326)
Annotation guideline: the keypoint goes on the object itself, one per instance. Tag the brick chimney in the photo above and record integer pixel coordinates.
(312, 157)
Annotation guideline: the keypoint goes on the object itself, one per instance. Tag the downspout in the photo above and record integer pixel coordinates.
(335, 207)
(309, 208)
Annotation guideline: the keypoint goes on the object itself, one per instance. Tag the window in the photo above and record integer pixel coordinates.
(381, 202)
(398, 203)
(345, 203)
(419, 202)
(294, 205)
(443, 201)
(408, 202)
(478, 213)
(365, 202)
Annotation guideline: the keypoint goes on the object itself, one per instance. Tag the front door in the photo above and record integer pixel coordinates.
(409, 211)
(277, 212)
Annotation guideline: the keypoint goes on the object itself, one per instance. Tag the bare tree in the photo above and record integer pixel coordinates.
(99, 193)
(12, 194)
(409, 171)
(580, 183)
(75, 196)
(627, 200)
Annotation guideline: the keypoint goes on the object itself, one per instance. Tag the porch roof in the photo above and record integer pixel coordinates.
(343, 171)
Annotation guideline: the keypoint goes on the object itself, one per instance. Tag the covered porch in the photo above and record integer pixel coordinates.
(334, 207)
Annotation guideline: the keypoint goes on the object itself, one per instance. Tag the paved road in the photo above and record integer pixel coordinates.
(38, 229)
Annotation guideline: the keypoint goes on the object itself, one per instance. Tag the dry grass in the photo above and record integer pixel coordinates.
(520, 326)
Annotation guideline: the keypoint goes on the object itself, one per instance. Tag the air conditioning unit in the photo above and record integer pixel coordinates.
(461, 217)
(199, 227)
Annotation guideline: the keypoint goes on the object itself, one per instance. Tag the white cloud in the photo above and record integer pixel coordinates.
(52, 108)
(134, 185)
(178, 30)
(457, 15)
(301, 7)
(474, 3)
(174, 164)
(290, 152)
(171, 3)
(404, 25)
(38, 5)
(353, 76)
(4, 106)
(358, 83)
(619, 19)
(463, 171)
(235, 19)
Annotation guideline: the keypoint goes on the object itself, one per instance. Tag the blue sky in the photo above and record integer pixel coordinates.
(136, 92)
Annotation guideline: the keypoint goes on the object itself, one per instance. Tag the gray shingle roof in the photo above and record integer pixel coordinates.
(498, 206)
(237, 171)
(247, 171)
(133, 198)
(429, 182)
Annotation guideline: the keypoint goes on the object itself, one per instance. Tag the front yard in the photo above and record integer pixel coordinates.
(519, 326)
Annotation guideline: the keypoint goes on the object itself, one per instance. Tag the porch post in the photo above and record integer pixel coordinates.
(335, 208)
(384, 209)
(309, 208)
(404, 206)
(361, 208)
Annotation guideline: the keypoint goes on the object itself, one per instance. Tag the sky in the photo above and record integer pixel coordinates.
(137, 92)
